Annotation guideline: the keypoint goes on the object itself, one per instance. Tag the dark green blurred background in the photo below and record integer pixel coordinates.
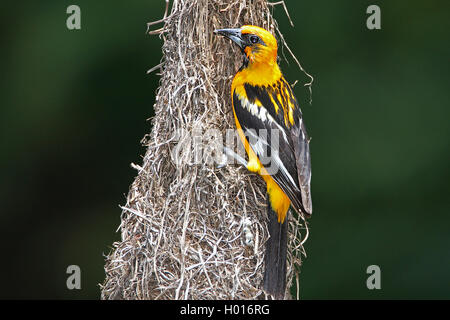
(74, 106)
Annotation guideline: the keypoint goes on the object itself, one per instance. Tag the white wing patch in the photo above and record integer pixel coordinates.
(260, 146)
(284, 170)
(262, 114)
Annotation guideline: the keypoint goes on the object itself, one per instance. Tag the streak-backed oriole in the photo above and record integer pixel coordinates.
(263, 100)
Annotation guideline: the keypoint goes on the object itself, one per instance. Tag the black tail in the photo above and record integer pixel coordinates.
(275, 259)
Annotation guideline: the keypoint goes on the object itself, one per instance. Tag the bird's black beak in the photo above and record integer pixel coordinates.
(233, 34)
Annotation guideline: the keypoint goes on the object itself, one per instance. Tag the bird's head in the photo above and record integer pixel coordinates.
(257, 44)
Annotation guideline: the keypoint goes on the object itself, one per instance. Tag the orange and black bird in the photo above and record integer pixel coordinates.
(263, 101)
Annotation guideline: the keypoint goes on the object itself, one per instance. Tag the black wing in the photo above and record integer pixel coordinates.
(281, 146)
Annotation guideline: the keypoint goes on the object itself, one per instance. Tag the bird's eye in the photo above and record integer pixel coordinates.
(254, 39)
